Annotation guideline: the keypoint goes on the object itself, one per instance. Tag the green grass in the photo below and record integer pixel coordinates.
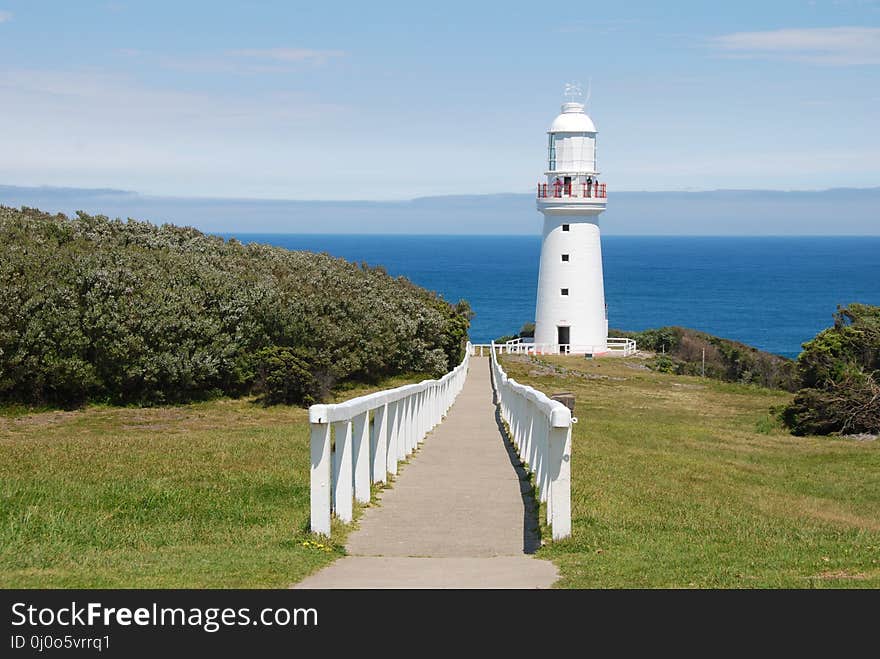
(686, 482)
(677, 482)
(208, 495)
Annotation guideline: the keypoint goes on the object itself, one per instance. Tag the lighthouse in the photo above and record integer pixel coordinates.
(570, 316)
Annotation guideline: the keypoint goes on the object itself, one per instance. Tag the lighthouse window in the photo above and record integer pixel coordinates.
(565, 291)
(565, 227)
(552, 149)
(565, 257)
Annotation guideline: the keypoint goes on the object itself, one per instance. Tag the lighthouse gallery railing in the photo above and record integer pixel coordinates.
(561, 190)
(360, 441)
(540, 429)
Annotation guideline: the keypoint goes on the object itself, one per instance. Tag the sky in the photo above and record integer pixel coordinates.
(387, 101)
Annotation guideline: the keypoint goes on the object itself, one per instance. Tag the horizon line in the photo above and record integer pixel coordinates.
(147, 195)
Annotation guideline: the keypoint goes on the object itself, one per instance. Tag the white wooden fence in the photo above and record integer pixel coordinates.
(540, 429)
(360, 441)
(620, 347)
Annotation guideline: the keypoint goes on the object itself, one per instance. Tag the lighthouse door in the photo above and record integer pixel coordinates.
(563, 338)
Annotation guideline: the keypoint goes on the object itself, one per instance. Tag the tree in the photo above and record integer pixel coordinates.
(839, 373)
(527, 331)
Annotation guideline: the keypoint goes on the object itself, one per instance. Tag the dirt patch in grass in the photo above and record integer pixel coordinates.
(826, 511)
(35, 420)
(839, 574)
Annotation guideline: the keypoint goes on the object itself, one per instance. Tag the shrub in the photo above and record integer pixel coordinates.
(129, 312)
(664, 339)
(840, 376)
(284, 377)
(663, 364)
(724, 359)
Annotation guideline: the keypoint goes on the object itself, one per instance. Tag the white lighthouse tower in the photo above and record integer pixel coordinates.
(571, 312)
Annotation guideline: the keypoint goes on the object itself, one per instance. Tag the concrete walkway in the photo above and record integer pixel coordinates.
(459, 515)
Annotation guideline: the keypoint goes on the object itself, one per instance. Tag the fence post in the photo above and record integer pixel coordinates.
(361, 453)
(541, 461)
(393, 432)
(422, 414)
(417, 420)
(428, 410)
(320, 478)
(403, 437)
(413, 436)
(413, 424)
(517, 419)
(521, 407)
(530, 426)
(342, 476)
(379, 443)
(560, 481)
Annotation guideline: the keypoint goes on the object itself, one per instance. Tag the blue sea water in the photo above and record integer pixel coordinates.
(773, 293)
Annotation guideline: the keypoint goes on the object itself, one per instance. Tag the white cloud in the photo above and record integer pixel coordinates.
(839, 46)
(305, 55)
(5, 16)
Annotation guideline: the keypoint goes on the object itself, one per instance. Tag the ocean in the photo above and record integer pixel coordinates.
(774, 293)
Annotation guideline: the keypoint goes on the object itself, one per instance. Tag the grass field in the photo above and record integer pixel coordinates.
(684, 482)
(211, 494)
(677, 482)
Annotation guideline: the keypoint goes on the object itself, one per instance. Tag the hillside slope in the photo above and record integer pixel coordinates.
(129, 312)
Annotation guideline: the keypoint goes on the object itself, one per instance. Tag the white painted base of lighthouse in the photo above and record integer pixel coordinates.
(570, 312)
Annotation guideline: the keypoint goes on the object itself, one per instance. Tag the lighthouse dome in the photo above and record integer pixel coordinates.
(573, 119)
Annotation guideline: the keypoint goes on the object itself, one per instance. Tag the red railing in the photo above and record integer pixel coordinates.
(584, 191)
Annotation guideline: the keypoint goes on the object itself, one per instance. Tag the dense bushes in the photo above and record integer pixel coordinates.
(128, 312)
(840, 377)
(285, 377)
(681, 351)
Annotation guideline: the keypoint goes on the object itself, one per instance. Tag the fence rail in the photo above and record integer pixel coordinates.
(360, 441)
(622, 345)
(615, 346)
(540, 429)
